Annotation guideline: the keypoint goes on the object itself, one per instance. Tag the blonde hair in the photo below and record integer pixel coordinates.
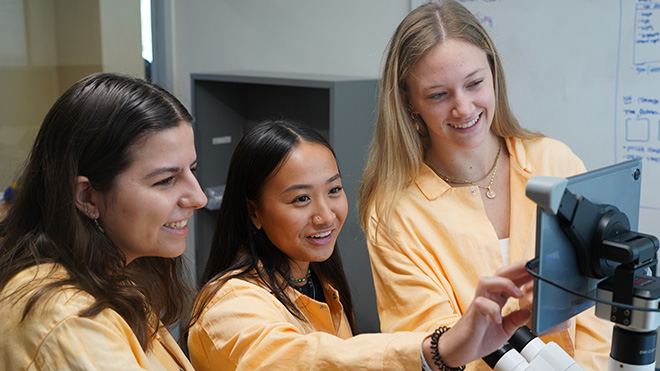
(397, 149)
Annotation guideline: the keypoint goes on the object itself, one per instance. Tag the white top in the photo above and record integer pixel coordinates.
(504, 246)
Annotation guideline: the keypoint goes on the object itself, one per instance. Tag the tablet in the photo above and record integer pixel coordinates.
(618, 185)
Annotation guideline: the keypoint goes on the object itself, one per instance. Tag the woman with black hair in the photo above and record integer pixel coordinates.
(276, 296)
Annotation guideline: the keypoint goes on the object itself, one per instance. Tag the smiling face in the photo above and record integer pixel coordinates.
(451, 88)
(147, 211)
(303, 206)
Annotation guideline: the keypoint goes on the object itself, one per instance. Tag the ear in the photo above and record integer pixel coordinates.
(252, 212)
(406, 100)
(86, 197)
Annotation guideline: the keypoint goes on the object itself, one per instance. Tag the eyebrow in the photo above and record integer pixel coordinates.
(306, 186)
(166, 170)
(468, 76)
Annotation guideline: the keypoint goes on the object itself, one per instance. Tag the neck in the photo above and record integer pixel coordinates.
(299, 269)
(470, 164)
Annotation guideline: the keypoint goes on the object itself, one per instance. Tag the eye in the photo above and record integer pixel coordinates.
(336, 190)
(165, 181)
(301, 199)
(437, 95)
(475, 83)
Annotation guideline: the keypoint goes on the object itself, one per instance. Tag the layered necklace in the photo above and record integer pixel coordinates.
(493, 169)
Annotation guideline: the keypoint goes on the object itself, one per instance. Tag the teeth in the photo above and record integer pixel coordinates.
(177, 225)
(321, 235)
(466, 125)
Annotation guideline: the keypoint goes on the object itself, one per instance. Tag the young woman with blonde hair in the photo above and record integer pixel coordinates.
(442, 198)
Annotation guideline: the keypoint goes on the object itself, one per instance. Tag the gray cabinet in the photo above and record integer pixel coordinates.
(340, 108)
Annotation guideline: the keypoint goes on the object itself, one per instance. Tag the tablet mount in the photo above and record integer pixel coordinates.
(607, 249)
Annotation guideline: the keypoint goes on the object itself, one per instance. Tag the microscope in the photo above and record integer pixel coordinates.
(598, 240)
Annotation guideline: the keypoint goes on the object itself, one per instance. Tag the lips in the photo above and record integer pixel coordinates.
(321, 235)
(321, 238)
(178, 224)
(466, 125)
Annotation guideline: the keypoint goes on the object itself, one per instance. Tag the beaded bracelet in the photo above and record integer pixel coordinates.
(437, 360)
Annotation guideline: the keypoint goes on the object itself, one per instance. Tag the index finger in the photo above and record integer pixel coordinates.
(515, 272)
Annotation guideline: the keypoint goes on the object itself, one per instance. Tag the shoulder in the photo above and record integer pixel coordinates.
(52, 307)
(544, 156)
(540, 146)
(242, 285)
(246, 293)
(53, 324)
(235, 304)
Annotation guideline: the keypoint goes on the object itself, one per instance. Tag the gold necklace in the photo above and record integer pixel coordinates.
(490, 193)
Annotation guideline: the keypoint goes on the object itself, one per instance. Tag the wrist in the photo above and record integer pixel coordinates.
(436, 351)
(425, 355)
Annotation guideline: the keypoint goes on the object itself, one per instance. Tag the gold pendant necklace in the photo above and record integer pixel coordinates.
(489, 192)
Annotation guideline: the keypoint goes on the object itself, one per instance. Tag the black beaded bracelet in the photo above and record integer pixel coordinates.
(437, 360)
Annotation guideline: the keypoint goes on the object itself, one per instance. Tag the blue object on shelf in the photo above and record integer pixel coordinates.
(9, 193)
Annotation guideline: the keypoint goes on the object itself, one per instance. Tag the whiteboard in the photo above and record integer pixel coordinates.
(586, 72)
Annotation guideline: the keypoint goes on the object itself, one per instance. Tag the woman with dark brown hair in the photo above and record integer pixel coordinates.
(90, 266)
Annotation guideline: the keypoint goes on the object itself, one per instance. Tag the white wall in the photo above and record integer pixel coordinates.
(341, 37)
(121, 41)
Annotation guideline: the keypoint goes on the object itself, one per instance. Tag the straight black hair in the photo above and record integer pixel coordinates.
(237, 245)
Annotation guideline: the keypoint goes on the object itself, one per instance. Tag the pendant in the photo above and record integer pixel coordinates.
(490, 194)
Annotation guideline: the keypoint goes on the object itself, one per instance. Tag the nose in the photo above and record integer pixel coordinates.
(462, 105)
(323, 214)
(193, 197)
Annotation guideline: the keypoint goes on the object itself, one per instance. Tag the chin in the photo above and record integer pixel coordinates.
(324, 258)
(172, 253)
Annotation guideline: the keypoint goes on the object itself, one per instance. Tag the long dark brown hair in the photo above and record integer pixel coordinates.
(92, 130)
(237, 245)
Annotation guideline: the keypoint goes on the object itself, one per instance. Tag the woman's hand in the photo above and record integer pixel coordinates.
(482, 329)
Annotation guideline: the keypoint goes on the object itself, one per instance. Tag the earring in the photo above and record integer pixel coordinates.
(414, 120)
(91, 215)
(96, 221)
